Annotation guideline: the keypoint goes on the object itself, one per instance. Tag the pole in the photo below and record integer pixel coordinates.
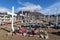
(56, 16)
(48, 16)
(12, 19)
(44, 17)
(22, 16)
(4, 17)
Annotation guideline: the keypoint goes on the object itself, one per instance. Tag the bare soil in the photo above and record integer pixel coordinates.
(4, 30)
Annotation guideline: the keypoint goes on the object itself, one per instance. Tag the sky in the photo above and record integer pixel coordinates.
(43, 6)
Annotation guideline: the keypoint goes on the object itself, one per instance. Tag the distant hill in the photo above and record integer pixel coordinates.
(36, 13)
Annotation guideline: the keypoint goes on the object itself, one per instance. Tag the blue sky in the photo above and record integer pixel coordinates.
(38, 5)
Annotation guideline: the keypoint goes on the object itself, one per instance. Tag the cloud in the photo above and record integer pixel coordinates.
(53, 9)
(29, 7)
(3, 10)
(20, 3)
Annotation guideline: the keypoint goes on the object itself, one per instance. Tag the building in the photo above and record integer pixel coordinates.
(6, 17)
(53, 18)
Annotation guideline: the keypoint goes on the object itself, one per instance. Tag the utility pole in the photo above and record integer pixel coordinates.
(22, 16)
(56, 16)
(48, 16)
(4, 17)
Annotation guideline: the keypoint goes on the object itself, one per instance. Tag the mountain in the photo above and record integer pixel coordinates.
(33, 13)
